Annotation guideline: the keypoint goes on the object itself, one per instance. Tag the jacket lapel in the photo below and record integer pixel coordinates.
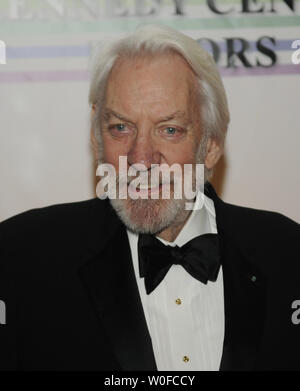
(110, 280)
(244, 293)
(244, 301)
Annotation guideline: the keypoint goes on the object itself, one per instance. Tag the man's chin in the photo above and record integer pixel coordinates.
(148, 215)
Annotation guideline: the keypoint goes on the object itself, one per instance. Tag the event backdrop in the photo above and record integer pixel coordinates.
(45, 47)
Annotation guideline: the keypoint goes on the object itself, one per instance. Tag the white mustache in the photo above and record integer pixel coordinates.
(147, 183)
(144, 181)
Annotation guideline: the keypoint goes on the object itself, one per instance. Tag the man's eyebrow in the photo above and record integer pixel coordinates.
(175, 115)
(107, 113)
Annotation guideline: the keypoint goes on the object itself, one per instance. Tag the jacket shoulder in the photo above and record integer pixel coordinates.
(261, 229)
(259, 215)
(54, 220)
(242, 219)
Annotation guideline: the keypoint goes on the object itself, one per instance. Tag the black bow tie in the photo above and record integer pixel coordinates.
(199, 257)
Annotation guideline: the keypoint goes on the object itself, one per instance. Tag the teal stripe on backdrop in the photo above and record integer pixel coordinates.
(128, 24)
(4, 4)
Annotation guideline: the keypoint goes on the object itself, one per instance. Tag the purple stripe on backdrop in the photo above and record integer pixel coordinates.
(281, 45)
(47, 51)
(15, 52)
(83, 75)
(43, 76)
(284, 69)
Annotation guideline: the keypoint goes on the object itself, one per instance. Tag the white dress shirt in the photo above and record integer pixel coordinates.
(185, 317)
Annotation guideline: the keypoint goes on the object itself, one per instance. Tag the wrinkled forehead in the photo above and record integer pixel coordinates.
(151, 78)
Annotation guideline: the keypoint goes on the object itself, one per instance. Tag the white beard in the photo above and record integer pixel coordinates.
(149, 215)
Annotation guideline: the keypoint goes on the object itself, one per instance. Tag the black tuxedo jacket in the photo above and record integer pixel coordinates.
(72, 302)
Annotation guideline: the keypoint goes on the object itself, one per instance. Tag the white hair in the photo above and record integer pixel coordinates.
(153, 40)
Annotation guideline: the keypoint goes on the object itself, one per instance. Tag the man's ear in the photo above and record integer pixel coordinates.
(213, 153)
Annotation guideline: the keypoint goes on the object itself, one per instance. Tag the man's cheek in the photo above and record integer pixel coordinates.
(180, 157)
(112, 151)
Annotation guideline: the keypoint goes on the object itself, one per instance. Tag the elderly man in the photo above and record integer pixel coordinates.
(146, 283)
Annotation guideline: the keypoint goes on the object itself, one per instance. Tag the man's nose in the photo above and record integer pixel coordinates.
(143, 151)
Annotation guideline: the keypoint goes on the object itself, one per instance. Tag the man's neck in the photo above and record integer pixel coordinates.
(170, 234)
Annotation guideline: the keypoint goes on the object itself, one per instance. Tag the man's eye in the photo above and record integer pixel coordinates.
(170, 130)
(119, 127)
